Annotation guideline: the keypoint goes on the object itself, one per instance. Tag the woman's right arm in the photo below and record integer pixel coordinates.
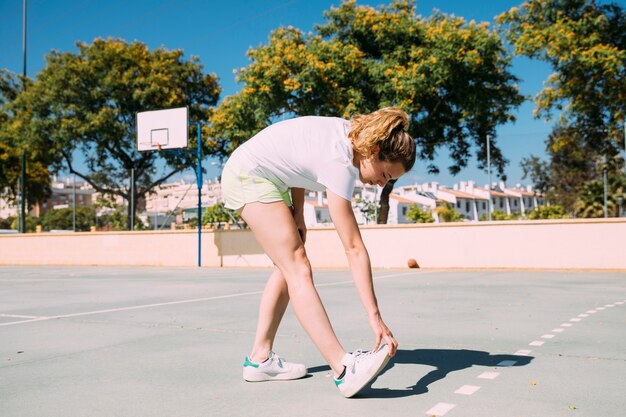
(359, 261)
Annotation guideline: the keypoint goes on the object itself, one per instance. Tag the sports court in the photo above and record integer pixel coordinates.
(81, 341)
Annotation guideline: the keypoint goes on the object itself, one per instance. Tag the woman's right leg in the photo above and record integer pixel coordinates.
(276, 231)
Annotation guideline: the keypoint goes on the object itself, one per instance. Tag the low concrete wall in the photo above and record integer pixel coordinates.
(576, 244)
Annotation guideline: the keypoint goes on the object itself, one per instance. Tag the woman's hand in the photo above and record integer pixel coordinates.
(382, 332)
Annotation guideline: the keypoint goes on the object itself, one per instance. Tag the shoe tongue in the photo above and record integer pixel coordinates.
(347, 360)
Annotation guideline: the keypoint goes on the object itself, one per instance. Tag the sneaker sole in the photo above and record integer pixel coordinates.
(262, 377)
(379, 367)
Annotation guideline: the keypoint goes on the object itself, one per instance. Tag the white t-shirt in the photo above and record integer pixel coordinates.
(310, 152)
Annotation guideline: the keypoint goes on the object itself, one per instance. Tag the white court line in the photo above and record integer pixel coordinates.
(193, 300)
(547, 336)
(567, 325)
(575, 319)
(619, 303)
(19, 316)
(507, 363)
(467, 390)
(440, 409)
(583, 315)
(488, 375)
(591, 311)
(557, 330)
(600, 308)
(523, 352)
(610, 305)
(536, 343)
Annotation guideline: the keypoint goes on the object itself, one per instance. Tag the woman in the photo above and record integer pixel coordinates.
(264, 180)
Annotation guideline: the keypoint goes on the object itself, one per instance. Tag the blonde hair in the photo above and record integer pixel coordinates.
(386, 129)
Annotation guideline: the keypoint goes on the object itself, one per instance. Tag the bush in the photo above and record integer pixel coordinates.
(6, 223)
(547, 212)
(417, 215)
(448, 214)
(62, 219)
(500, 215)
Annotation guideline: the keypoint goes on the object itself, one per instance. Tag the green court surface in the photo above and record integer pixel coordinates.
(171, 342)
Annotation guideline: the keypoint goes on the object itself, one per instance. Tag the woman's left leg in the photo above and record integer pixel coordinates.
(274, 302)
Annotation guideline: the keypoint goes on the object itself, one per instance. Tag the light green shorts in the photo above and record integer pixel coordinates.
(240, 186)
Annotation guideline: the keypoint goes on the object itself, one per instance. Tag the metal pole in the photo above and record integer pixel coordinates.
(132, 199)
(489, 177)
(199, 180)
(606, 210)
(156, 213)
(74, 204)
(22, 223)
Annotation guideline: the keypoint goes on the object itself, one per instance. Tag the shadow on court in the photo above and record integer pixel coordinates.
(444, 361)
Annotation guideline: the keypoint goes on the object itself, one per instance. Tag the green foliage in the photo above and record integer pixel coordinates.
(87, 102)
(6, 223)
(585, 43)
(368, 209)
(450, 75)
(117, 220)
(30, 223)
(14, 134)
(217, 214)
(417, 215)
(62, 219)
(500, 215)
(547, 212)
(572, 166)
(448, 214)
(590, 202)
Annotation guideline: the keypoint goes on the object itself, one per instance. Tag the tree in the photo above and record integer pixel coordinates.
(585, 43)
(88, 101)
(571, 164)
(417, 215)
(217, 214)
(448, 214)
(590, 202)
(451, 76)
(13, 142)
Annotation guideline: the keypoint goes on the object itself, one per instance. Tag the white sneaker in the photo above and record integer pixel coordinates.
(274, 368)
(361, 368)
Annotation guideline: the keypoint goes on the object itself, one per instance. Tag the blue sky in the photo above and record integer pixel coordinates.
(220, 33)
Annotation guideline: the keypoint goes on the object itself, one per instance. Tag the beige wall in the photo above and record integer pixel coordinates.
(577, 244)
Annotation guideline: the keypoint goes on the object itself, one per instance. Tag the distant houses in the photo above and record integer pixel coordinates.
(180, 200)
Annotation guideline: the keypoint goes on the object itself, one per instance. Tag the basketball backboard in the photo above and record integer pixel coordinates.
(162, 129)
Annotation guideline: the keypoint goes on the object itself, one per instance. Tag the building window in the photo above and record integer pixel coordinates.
(484, 206)
(501, 203)
(467, 206)
(458, 204)
(515, 203)
(404, 211)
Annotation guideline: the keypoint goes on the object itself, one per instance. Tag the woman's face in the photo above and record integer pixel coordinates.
(373, 171)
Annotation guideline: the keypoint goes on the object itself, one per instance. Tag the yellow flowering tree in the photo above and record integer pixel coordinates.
(450, 75)
(37, 156)
(585, 43)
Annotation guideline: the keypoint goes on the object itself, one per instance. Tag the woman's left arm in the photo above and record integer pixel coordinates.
(297, 199)
(359, 261)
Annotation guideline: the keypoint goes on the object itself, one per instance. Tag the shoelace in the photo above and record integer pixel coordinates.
(357, 356)
(279, 359)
